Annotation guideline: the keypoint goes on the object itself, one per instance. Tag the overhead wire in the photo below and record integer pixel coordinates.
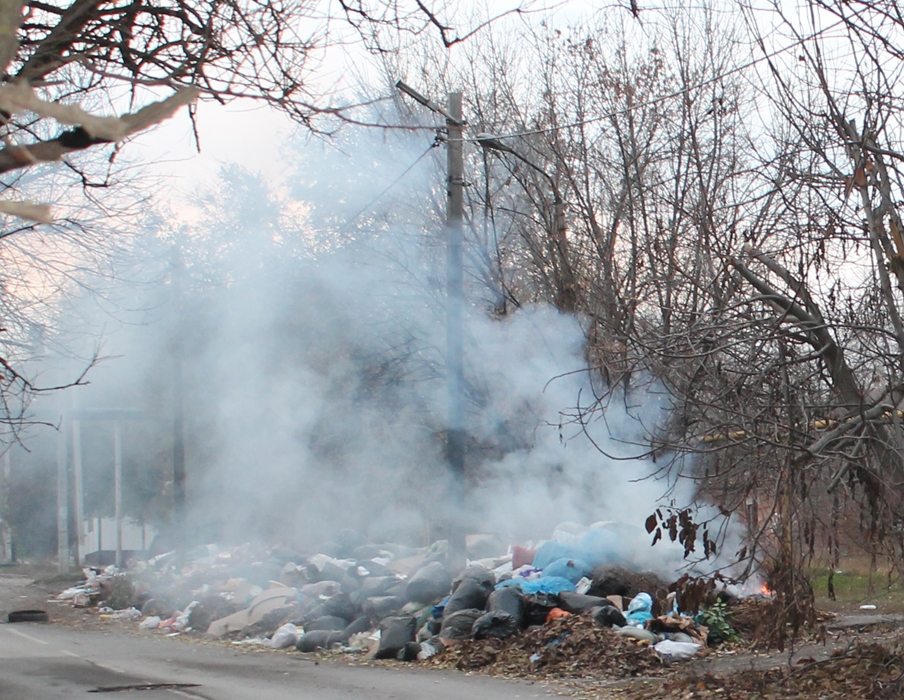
(392, 184)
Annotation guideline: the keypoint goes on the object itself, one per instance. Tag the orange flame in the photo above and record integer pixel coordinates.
(764, 589)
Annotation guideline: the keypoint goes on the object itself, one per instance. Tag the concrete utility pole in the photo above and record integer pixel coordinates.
(78, 482)
(5, 509)
(455, 298)
(179, 534)
(62, 495)
(455, 384)
(117, 488)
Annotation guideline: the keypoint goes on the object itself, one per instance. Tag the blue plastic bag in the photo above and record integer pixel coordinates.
(551, 551)
(642, 602)
(551, 584)
(640, 609)
(595, 547)
(572, 569)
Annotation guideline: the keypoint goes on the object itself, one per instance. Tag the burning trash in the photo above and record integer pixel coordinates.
(394, 602)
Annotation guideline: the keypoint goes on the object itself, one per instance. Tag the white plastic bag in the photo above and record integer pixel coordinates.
(285, 637)
(427, 650)
(150, 623)
(70, 593)
(182, 619)
(676, 651)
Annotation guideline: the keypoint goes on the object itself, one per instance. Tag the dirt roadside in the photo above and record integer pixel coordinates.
(36, 589)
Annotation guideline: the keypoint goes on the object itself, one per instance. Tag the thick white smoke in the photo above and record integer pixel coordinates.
(312, 332)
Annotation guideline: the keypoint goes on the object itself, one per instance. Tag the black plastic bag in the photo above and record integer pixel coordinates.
(382, 606)
(577, 603)
(409, 652)
(395, 633)
(608, 616)
(319, 639)
(325, 572)
(508, 600)
(429, 584)
(478, 573)
(611, 580)
(340, 605)
(470, 594)
(499, 624)
(351, 582)
(362, 624)
(537, 607)
(400, 590)
(459, 625)
(327, 622)
(372, 587)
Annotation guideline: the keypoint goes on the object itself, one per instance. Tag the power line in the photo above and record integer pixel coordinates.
(389, 186)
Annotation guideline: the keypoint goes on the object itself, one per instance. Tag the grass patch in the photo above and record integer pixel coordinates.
(853, 589)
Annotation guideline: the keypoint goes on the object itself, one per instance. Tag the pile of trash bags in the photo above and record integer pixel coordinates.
(397, 602)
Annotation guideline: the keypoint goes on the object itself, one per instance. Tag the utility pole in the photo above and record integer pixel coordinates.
(78, 482)
(455, 430)
(455, 315)
(8, 555)
(117, 488)
(178, 409)
(62, 493)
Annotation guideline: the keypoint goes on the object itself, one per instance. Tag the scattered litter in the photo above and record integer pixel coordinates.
(676, 651)
(286, 636)
(151, 622)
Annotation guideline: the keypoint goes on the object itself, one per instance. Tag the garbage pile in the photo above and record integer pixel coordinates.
(99, 587)
(531, 607)
(89, 591)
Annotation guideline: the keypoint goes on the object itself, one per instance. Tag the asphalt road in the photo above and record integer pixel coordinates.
(47, 661)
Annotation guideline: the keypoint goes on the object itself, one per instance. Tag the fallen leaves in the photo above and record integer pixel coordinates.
(573, 647)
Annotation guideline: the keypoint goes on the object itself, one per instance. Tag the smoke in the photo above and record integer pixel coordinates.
(309, 319)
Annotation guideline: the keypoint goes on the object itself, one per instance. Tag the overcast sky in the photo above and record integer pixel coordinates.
(251, 135)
